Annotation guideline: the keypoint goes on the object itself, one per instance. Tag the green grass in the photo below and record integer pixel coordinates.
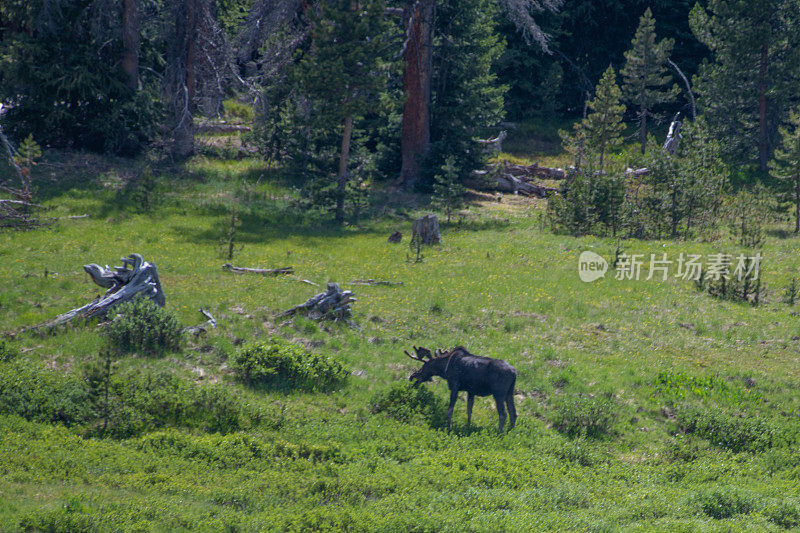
(671, 365)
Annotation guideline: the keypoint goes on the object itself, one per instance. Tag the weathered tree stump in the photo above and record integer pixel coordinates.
(136, 278)
(426, 230)
(333, 304)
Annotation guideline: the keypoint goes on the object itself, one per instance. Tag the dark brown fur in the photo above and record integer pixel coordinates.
(477, 375)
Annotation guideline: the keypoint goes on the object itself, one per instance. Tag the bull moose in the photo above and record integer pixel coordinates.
(477, 375)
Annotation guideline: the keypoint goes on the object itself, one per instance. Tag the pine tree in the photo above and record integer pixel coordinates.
(466, 98)
(340, 77)
(645, 73)
(747, 89)
(786, 162)
(603, 126)
(448, 193)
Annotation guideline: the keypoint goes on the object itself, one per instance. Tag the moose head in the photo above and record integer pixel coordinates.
(429, 367)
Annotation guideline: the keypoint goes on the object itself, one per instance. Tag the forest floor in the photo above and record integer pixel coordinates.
(700, 394)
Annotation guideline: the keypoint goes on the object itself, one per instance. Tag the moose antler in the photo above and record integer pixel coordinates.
(422, 353)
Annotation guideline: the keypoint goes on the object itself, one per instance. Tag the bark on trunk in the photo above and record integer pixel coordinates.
(763, 149)
(797, 204)
(191, 21)
(415, 137)
(642, 127)
(341, 181)
(130, 42)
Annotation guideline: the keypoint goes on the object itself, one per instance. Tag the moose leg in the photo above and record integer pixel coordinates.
(501, 410)
(470, 399)
(453, 398)
(512, 411)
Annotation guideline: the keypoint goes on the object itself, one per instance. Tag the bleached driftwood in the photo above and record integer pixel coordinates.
(261, 271)
(333, 304)
(136, 278)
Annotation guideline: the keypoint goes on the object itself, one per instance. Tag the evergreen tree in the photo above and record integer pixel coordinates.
(61, 67)
(786, 163)
(601, 130)
(339, 79)
(466, 98)
(748, 88)
(448, 193)
(645, 73)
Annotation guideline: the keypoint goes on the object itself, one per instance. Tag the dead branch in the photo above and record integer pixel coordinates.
(333, 304)
(262, 271)
(376, 282)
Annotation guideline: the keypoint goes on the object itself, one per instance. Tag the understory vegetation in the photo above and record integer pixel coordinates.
(675, 410)
(629, 243)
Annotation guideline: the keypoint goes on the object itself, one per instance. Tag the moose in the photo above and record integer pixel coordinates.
(477, 375)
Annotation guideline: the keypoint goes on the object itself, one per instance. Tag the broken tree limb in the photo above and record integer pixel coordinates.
(333, 304)
(494, 145)
(261, 271)
(204, 327)
(376, 282)
(136, 278)
(21, 203)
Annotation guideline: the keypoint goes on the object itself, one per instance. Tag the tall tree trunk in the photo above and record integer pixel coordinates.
(182, 88)
(130, 42)
(797, 204)
(763, 149)
(344, 157)
(415, 137)
(191, 18)
(642, 127)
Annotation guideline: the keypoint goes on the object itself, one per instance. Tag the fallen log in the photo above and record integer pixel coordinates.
(136, 278)
(333, 304)
(512, 184)
(262, 271)
(376, 282)
(221, 128)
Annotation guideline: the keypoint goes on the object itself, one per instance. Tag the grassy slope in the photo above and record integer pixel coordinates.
(498, 284)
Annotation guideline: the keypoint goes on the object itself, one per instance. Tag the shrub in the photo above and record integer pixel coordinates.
(142, 326)
(784, 514)
(723, 502)
(584, 416)
(8, 352)
(404, 402)
(41, 395)
(736, 433)
(280, 364)
(143, 402)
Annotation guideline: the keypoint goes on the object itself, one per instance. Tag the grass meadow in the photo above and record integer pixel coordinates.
(694, 400)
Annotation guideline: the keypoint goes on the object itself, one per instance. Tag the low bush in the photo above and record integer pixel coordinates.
(785, 514)
(35, 393)
(724, 502)
(584, 416)
(734, 432)
(136, 402)
(8, 352)
(283, 365)
(142, 326)
(140, 402)
(405, 402)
